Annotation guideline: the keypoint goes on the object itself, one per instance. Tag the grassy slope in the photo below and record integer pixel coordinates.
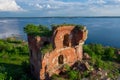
(14, 59)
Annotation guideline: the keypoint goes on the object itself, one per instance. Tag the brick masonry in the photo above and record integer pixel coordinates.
(67, 42)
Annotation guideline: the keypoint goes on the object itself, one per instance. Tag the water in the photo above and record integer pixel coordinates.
(101, 30)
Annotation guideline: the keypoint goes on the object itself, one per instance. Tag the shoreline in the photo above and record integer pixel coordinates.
(64, 17)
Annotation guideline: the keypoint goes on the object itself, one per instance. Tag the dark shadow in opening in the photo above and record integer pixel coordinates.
(46, 43)
(61, 59)
(66, 40)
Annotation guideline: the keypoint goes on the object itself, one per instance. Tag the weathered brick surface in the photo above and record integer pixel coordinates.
(67, 43)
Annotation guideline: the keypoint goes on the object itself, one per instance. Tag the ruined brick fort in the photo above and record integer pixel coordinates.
(67, 43)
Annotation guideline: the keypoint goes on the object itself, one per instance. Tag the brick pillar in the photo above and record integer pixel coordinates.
(79, 51)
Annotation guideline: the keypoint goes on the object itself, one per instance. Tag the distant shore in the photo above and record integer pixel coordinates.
(66, 17)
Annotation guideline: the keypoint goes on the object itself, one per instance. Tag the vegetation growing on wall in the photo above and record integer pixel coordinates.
(35, 30)
(79, 27)
(42, 30)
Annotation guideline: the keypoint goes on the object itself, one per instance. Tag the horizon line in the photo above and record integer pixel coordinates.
(62, 17)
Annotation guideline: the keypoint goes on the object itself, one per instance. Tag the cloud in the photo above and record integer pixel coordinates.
(64, 7)
(9, 5)
(46, 4)
(97, 1)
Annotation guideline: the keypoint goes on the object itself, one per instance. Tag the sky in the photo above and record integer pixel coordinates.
(48, 8)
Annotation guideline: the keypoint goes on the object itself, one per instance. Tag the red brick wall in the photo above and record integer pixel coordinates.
(50, 60)
(49, 63)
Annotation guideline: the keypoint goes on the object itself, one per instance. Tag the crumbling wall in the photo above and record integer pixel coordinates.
(67, 42)
(52, 64)
(35, 43)
(59, 36)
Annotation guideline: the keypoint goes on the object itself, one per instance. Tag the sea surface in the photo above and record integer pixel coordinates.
(102, 30)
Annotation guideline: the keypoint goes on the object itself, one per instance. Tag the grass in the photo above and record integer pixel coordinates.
(104, 58)
(14, 60)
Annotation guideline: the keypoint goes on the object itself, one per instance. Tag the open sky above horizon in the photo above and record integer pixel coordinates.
(45, 8)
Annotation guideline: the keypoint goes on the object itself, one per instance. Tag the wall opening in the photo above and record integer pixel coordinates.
(46, 43)
(61, 59)
(66, 40)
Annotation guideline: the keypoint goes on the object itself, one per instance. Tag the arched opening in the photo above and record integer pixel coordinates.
(66, 40)
(61, 59)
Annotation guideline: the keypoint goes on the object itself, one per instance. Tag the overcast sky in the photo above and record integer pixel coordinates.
(44, 8)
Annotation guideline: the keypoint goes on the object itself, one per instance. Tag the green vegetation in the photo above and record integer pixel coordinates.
(104, 58)
(101, 52)
(14, 60)
(35, 30)
(47, 48)
(79, 27)
(73, 75)
(57, 77)
(42, 30)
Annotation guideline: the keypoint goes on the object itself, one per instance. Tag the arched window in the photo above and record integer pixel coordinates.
(61, 59)
(66, 40)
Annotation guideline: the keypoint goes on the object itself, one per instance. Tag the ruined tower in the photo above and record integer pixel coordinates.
(66, 43)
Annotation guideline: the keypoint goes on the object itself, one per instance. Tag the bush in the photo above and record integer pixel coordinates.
(109, 53)
(26, 67)
(118, 58)
(105, 53)
(40, 30)
(88, 50)
(3, 76)
(12, 54)
(67, 67)
(73, 75)
(100, 55)
(13, 40)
